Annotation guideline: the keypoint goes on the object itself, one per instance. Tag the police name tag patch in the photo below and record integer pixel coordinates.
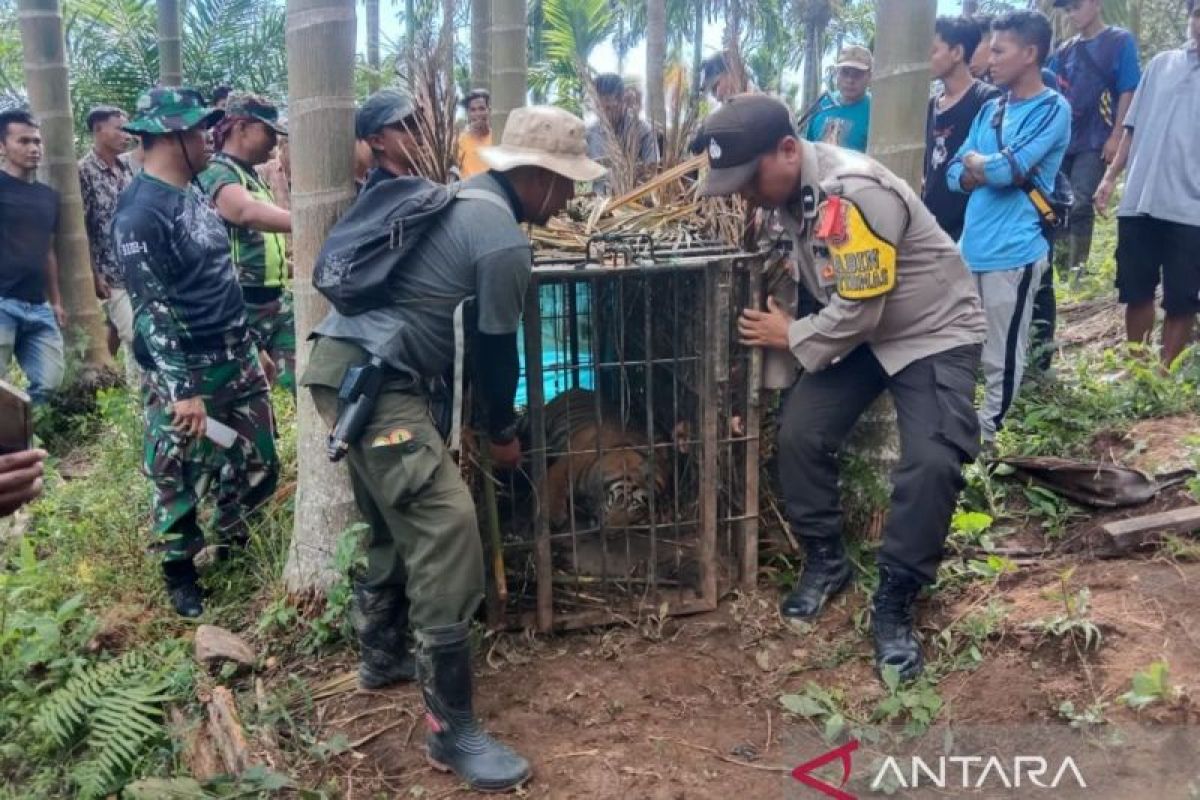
(863, 263)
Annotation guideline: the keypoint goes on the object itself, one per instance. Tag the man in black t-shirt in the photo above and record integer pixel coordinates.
(950, 115)
(31, 314)
(209, 423)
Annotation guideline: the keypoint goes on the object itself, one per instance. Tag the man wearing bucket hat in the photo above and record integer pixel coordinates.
(424, 556)
(191, 338)
(898, 312)
(244, 139)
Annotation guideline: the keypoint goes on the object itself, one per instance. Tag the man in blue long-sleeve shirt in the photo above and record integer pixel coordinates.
(1016, 140)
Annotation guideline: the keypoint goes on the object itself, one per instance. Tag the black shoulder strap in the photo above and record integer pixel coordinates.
(998, 125)
(1086, 56)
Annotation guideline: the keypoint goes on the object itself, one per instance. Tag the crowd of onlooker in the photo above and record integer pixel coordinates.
(1024, 142)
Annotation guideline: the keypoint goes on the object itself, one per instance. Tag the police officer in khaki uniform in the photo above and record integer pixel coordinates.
(424, 555)
(898, 312)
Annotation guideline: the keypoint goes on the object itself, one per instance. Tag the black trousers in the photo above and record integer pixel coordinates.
(1045, 319)
(939, 431)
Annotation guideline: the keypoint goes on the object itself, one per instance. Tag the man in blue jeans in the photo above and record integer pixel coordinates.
(31, 313)
(1015, 145)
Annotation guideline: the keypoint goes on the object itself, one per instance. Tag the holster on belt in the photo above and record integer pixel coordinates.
(356, 403)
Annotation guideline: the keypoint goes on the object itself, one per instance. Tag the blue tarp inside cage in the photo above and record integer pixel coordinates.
(560, 371)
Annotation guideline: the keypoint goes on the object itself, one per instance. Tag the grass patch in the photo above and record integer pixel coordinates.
(90, 652)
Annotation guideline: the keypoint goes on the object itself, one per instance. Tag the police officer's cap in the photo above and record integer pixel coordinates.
(735, 136)
(385, 107)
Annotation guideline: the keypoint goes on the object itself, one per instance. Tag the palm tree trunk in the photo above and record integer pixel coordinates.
(698, 43)
(41, 26)
(410, 26)
(656, 57)
(320, 50)
(816, 20)
(897, 140)
(446, 53)
(901, 74)
(619, 45)
(373, 78)
(170, 57)
(510, 78)
(481, 52)
(536, 20)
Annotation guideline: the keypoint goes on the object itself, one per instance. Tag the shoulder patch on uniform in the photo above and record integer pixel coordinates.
(864, 263)
(393, 437)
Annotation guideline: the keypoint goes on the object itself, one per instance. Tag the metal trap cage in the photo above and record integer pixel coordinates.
(640, 424)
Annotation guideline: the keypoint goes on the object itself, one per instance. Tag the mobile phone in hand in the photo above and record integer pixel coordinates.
(16, 419)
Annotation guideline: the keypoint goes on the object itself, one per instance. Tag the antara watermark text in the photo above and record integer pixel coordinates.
(977, 772)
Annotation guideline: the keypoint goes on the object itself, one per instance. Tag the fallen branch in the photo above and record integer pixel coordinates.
(226, 729)
(341, 723)
(357, 743)
(340, 685)
(721, 756)
(578, 754)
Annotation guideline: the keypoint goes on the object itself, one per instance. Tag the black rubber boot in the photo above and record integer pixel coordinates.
(456, 743)
(892, 624)
(380, 620)
(182, 587)
(826, 572)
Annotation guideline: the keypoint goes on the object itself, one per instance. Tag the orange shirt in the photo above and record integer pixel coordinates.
(469, 162)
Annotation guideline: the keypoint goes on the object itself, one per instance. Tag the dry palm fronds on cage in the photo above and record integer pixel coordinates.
(429, 80)
(667, 207)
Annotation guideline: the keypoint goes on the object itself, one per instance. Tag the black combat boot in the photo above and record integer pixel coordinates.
(826, 572)
(380, 619)
(182, 587)
(455, 742)
(892, 624)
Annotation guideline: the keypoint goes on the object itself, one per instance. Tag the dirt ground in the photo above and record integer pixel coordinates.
(690, 708)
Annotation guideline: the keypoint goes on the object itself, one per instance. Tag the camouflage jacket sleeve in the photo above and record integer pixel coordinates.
(148, 259)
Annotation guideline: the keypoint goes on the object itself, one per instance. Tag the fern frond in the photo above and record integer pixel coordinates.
(119, 704)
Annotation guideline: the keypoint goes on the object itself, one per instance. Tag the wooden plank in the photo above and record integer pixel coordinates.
(748, 539)
(535, 388)
(1179, 519)
(709, 394)
(1128, 534)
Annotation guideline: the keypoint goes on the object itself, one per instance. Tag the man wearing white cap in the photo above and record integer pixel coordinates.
(843, 118)
(424, 544)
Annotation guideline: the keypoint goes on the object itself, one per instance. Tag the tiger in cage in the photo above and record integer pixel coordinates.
(600, 471)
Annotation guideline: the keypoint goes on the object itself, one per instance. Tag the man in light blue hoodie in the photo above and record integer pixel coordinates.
(1015, 145)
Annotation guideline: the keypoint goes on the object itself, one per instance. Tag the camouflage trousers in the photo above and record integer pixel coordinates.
(275, 328)
(184, 471)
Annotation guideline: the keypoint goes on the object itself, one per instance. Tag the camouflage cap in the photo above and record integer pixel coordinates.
(169, 109)
(250, 106)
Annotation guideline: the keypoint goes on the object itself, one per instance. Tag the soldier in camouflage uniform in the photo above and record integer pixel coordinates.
(256, 224)
(192, 339)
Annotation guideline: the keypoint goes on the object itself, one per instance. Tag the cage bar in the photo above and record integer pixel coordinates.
(640, 425)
